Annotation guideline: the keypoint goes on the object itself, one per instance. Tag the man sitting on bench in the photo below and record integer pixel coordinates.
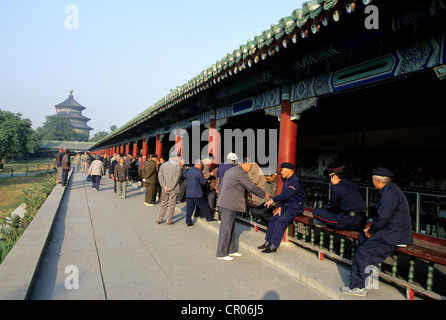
(390, 229)
(345, 210)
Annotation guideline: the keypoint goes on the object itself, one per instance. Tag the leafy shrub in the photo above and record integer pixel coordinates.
(33, 198)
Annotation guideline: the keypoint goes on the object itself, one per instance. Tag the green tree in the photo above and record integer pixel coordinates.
(98, 136)
(16, 136)
(113, 128)
(57, 129)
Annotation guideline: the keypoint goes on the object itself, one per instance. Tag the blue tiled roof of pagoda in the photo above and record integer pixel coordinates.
(71, 103)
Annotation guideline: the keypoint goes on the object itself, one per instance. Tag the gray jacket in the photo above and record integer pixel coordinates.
(169, 175)
(231, 193)
(96, 168)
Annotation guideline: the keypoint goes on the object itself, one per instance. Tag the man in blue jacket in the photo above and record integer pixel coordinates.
(194, 193)
(346, 208)
(391, 228)
(291, 203)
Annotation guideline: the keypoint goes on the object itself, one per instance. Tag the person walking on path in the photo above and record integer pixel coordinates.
(77, 162)
(149, 177)
(96, 171)
(169, 177)
(230, 200)
(121, 175)
(194, 193)
(59, 157)
(84, 159)
(65, 167)
(291, 203)
(391, 228)
(113, 164)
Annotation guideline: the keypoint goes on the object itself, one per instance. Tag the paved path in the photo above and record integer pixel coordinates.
(120, 253)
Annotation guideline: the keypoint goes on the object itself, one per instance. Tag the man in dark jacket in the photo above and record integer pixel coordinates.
(149, 176)
(66, 167)
(346, 208)
(391, 228)
(291, 203)
(113, 164)
(59, 157)
(121, 175)
(194, 193)
(230, 200)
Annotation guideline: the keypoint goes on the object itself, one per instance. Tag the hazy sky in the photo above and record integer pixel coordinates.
(123, 57)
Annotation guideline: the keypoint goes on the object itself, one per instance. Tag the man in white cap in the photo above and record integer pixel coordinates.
(228, 164)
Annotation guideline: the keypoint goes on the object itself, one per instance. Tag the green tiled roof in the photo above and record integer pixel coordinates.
(302, 23)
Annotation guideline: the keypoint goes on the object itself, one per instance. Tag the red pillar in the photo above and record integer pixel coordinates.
(127, 148)
(121, 149)
(287, 139)
(145, 148)
(179, 143)
(214, 141)
(159, 145)
(135, 149)
(287, 143)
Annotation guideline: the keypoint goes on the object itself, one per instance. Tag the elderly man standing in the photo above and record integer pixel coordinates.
(390, 229)
(149, 177)
(194, 193)
(291, 203)
(232, 199)
(169, 176)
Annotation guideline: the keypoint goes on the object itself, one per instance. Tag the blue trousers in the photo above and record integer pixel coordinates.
(369, 253)
(339, 220)
(95, 182)
(277, 226)
(202, 204)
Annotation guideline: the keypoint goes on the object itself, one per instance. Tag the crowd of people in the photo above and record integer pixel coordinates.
(230, 186)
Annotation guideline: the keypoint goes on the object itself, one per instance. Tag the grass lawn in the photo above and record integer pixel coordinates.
(11, 190)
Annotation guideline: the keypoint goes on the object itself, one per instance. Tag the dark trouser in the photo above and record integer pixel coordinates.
(210, 197)
(65, 176)
(182, 192)
(150, 193)
(200, 203)
(263, 213)
(96, 181)
(226, 236)
(369, 253)
(277, 226)
(339, 220)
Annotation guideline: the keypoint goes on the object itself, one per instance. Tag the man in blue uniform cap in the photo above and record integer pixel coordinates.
(291, 203)
(390, 229)
(346, 208)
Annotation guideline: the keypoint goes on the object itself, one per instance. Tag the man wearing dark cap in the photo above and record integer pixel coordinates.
(345, 210)
(391, 228)
(291, 203)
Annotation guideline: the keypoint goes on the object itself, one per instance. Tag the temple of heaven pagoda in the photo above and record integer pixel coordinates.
(72, 110)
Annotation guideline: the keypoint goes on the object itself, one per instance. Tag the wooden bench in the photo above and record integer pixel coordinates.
(421, 249)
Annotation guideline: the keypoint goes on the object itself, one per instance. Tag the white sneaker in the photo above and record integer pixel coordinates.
(354, 292)
(227, 258)
(235, 254)
(146, 204)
